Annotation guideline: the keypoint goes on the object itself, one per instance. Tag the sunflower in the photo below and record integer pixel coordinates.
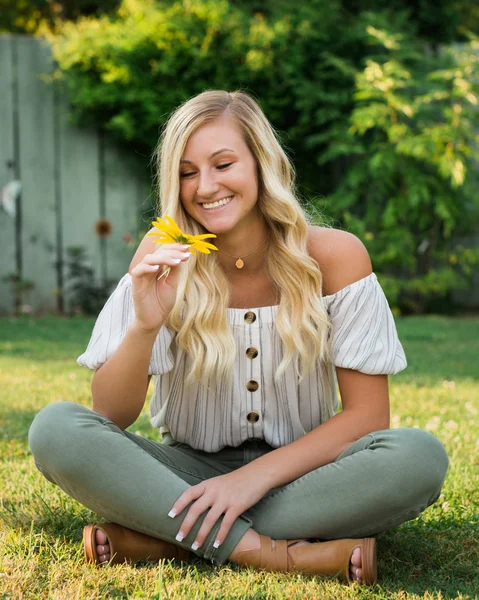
(170, 233)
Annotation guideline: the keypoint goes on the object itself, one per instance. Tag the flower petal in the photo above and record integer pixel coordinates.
(158, 234)
(162, 226)
(207, 245)
(168, 232)
(204, 236)
(174, 226)
(163, 239)
(203, 247)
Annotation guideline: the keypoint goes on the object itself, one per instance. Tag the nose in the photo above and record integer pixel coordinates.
(208, 185)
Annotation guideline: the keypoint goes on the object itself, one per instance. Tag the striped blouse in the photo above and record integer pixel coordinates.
(364, 338)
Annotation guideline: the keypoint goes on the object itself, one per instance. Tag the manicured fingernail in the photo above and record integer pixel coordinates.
(176, 260)
(216, 544)
(155, 267)
(195, 546)
(186, 247)
(172, 513)
(179, 537)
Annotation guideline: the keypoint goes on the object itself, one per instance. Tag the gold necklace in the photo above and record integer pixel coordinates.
(239, 262)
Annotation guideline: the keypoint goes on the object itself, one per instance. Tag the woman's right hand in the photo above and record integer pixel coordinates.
(154, 299)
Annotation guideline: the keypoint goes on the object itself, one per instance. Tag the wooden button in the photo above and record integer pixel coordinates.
(250, 317)
(252, 386)
(251, 352)
(253, 417)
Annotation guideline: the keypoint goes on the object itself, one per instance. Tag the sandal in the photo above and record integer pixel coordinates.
(128, 545)
(321, 558)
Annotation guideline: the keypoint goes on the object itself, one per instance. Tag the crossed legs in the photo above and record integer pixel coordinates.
(382, 480)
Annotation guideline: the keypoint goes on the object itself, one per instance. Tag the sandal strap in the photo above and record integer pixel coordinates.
(273, 554)
(323, 558)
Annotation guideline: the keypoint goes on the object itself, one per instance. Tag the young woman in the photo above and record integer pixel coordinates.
(245, 345)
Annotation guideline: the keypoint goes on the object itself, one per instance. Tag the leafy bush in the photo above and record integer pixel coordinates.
(85, 295)
(381, 127)
(411, 146)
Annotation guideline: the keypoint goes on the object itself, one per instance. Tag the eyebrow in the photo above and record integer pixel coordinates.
(211, 156)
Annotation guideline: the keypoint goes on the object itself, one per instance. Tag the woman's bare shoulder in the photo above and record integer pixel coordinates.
(341, 256)
(147, 246)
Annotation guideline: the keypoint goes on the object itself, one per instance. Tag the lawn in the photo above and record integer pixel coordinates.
(435, 556)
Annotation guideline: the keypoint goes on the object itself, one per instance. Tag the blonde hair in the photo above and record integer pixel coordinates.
(200, 314)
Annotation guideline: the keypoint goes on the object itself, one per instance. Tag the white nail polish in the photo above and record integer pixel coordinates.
(179, 537)
(216, 544)
(172, 513)
(195, 546)
(176, 260)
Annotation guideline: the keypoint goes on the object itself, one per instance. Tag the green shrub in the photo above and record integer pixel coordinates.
(85, 295)
(382, 128)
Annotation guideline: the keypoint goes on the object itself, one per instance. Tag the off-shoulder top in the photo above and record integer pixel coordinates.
(364, 338)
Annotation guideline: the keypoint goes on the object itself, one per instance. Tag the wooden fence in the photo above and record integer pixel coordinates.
(70, 178)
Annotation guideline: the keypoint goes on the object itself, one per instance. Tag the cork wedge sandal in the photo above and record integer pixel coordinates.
(319, 558)
(128, 545)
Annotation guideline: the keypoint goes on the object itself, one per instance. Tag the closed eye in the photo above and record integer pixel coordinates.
(191, 173)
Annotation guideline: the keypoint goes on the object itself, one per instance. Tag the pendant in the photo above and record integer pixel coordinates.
(239, 263)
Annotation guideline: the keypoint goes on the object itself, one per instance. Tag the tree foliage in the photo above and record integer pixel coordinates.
(382, 127)
(30, 16)
(410, 146)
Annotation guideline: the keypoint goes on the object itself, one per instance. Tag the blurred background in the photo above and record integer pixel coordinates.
(376, 102)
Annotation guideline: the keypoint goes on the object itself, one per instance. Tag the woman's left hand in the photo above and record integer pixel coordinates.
(229, 495)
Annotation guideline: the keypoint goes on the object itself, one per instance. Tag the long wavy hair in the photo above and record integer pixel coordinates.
(199, 316)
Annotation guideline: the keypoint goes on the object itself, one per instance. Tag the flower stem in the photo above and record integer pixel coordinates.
(165, 274)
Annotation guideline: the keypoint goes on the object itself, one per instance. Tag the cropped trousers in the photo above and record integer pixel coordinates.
(383, 479)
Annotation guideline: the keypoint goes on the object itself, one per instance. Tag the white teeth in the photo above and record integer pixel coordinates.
(218, 203)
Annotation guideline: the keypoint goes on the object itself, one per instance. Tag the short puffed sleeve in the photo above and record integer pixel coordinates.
(111, 327)
(364, 335)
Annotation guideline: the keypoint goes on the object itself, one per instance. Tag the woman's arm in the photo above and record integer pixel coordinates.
(120, 385)
(365, 400)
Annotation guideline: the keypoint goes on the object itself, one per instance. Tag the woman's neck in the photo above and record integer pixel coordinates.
(243, 254)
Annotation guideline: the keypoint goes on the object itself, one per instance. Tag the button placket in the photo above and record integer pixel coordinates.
(253, 415)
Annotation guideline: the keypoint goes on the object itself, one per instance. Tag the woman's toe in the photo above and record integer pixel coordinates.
(355, 571)
(103, 547)
(100, 537)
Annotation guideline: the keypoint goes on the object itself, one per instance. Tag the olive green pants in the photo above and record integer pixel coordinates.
(380, 481)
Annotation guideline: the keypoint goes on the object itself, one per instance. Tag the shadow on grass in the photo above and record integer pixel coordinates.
(438, 347)
(16, 423)
(44, 339)
(421, 557)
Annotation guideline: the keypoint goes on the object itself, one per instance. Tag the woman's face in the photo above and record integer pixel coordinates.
(218, 178)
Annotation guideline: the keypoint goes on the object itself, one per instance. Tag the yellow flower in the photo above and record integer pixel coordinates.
(170, 233)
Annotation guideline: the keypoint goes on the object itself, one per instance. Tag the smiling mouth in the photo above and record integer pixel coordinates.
(218, 203)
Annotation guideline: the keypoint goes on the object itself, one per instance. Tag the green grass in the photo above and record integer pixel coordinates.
(435, 556)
